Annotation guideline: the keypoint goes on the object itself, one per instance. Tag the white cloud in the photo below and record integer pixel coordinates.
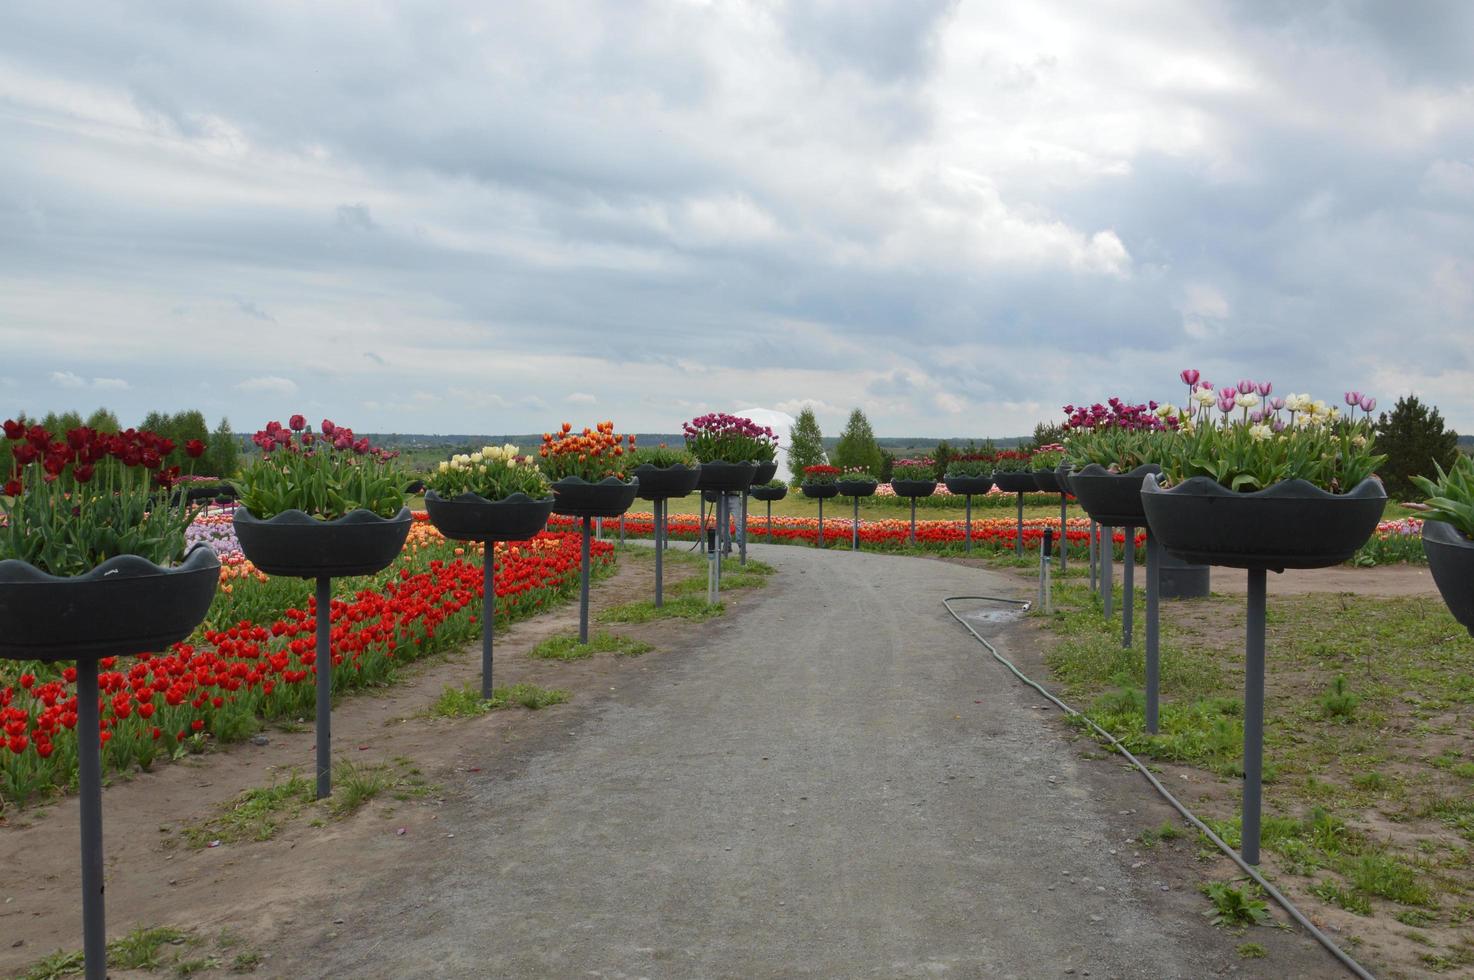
(268, 384)
(581, 398)
(68, 379)
(110, 384)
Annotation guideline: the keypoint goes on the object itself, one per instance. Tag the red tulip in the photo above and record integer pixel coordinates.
(195, 448)
(297, 422)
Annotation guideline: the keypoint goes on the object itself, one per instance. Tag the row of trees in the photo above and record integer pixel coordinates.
(857, 447)
(222, 448)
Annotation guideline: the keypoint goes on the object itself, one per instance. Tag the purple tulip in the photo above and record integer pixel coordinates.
(1277, 403)
(1368, 403)
(1264, 388)
(1228, 393)
(1190, 377)
(1226, 404)
(1353, 398)
(1245, 386)
(1256, 417)
(1277, 425)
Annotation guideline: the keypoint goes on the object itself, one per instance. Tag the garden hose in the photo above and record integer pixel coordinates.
(1356, 968)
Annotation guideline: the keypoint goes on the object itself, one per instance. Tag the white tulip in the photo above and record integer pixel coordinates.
(1246, 401)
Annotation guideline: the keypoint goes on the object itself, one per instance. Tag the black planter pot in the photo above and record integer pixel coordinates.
(471, 517)
(768, 493)
(1047, 480)
(296, 545)
(1289, 525)
(726, 477)
(1015, 482)
(765, 471)
(820, 491)
(575, 497)
(856, 488)
(961, 486)
(663, 483)
(1112, 499)
(914, 488)
(1451, 560)
(125, 605)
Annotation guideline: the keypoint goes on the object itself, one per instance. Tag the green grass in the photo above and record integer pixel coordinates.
(690, 607)
(466, 701)
(1235, 906)
(355, 784)
(1367, 708)
(568, 648)
(150, 949)
(255, 815)
(1252, 951)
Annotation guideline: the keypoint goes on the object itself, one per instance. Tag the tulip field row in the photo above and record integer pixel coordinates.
(255, 656)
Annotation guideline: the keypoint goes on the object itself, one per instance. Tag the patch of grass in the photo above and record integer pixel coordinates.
(1339, 702)
(1387, 877)
(1234, 906)
(466, 701)
(692, 607)
(188, 968)
(245, 962)
(139, 950)
(256, 814)
(733, 577)
(1329, 891)
(1370, 781)
(568, 647)
(1252, 951)
(61, 963)
(1168, 831)
(1414, 917)
(355, 784)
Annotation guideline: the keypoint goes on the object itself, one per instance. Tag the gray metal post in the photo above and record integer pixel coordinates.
(1044, 573)
(1128, 588)
(913, 522)
(1064, 538)
(1253, 715)
(701, 533)
(1107, 572)
(770, 522)
(324, 688)
(583, 590)
(721, 516)
(488, 616)
(821, 522)
(713, 564)
(1153, 598)
(89, 791)
(621, 530)
(659, 507)
(1093, 556)
(1018, 542)
(855, 526)
(743, 531)
(969, 524)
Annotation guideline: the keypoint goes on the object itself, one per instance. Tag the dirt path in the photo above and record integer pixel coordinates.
(1383, 580)
(832, 783)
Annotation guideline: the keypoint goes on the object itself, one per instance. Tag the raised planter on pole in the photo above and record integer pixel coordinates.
(576, 497)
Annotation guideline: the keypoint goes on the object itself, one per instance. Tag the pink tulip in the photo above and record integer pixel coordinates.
(1227, 393)
(1277, 403)
(1368, 403)
(1245, 386)
(1353, 398)
(1264, 388)
(1226, 404)
(1190, 377)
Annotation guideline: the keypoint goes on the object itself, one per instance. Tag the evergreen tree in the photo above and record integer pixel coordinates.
(887, 466)
(103, 420)
(943, 455)
(1414, 438)
(805, 444)
(222, 454)
(155, 422)
(1048, 433)
(857, 445)
(182, 428)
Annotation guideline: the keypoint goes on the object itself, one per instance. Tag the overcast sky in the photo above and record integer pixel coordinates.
(489, 217)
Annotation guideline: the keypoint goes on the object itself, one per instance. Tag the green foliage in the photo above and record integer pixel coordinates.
(942, 457)
(923, 468)
(692, 607)
(857, 446)
(1339, 702)
(887, 466)
(222, 452)
(103, 421)
(308, 472)
(466, 701)
(1252, 951)
(1334, 455)
(568, 647)
(1451, 496)
(969, 465)
(1234, 906)
(805, 444)
(1048, 434)
(662, 457)
(1416, 443)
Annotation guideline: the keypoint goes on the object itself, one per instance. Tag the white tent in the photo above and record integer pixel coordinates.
(782, 425)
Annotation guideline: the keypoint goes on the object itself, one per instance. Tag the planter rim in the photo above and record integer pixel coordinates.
(608, 481)
(299, 518)
(475, 498)
(199, 557)
(665, 482)
(1200, 486)
(1442, 532)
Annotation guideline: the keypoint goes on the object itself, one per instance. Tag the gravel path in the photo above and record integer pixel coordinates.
(840, 783)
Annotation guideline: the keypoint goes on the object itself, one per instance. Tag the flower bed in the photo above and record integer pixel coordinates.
(942, 497)
(255, 656)
(996, 534)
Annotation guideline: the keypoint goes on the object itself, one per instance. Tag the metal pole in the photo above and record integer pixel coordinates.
(1093, 557)
(712, 566)
(821, 522)
(1064, 538)
(701, 535)
(969, 524)
(659, 508)
(1107, 572)
(770, 522)
(1153, 597)
(1044, 553)
(583, 592)
(89, 789)
(1018, 543)
(721, 516)
(621, 530)
(743, 539)
(1253, 715)
(1128, 588)
(855, 526)
(324, 687)
(488, 615)
(913, 522)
